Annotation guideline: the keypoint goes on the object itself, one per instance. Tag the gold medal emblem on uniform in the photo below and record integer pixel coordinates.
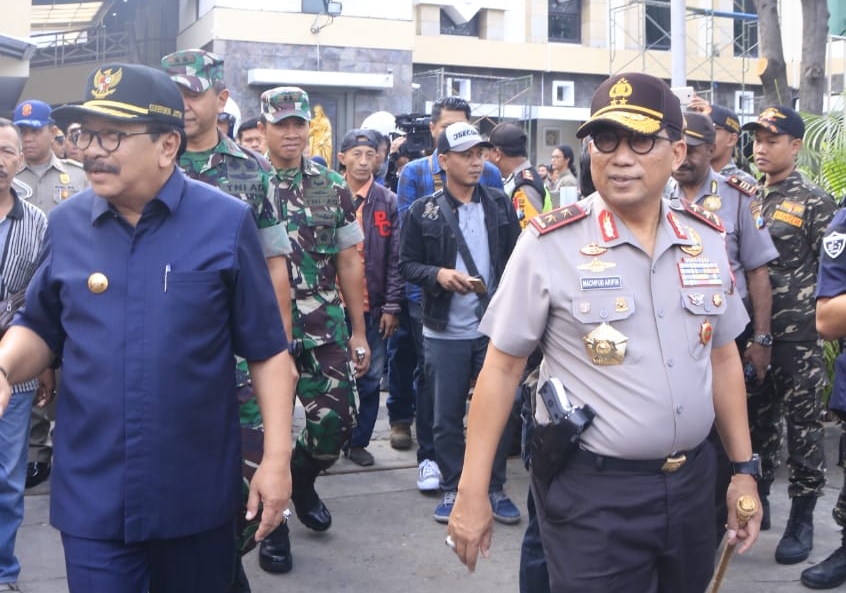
(593, 249)
(706, 330)
(621, 305)
(64, 178)
(696, 248)
(597, 265)
(717, 299)
(605, 345)
(713, 203)
(65, 194)
(98, 283)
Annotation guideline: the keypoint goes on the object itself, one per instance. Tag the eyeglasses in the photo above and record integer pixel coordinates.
(607, 141)
(109, 140)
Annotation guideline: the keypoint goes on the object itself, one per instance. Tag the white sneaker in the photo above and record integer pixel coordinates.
(428, 476)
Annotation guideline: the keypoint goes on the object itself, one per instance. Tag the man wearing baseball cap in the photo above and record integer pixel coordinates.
(727, 128)
(796, 213)
(477, 228)
(320, 215)
(149, 284)
(641, 343)
(214, 158)
(376, 211)
(44, 180)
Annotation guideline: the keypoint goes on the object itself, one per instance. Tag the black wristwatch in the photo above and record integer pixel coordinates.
(765, 340)
(749, 468)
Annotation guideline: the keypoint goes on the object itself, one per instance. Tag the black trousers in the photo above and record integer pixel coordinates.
(623, 531)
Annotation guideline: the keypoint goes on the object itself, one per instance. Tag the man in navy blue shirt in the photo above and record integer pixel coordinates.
(148, 286)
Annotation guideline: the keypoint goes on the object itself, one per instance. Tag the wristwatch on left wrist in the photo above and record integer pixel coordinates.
(749, 468)
(765, 340)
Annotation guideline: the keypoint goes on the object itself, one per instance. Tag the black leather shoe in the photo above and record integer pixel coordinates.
(829, 573)
(311, 511)
(275, 551)
(36, 472)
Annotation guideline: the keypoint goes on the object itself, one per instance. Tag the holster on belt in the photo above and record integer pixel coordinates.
(554, 442)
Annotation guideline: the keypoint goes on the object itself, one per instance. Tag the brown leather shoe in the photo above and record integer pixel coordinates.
(400, 436)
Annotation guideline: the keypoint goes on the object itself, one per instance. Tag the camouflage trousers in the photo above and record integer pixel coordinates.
(791, 395)
(327, 391)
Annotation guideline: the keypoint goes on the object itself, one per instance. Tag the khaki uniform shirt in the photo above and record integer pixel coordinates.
(629, 335)
(61, 180)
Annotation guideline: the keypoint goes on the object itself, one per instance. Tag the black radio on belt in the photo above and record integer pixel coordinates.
(552, 443)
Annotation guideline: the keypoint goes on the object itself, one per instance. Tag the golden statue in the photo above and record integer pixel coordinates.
(320, 135)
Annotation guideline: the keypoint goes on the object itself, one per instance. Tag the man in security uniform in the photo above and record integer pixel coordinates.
(634, 308)
(830, 317)
(727, 129)
(319, 212)
(44, 181)
(749, 248)
(522, 182)
(797, 213)
(214, 158)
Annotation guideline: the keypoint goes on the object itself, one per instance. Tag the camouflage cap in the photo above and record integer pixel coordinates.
(285, 101)
(195, 69)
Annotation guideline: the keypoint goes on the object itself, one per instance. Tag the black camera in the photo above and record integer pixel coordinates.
(418, 137)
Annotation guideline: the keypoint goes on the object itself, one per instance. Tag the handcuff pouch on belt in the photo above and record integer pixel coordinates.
(554, 442)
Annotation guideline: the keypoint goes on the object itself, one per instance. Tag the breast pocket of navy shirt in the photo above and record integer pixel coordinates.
(703, 307)
(196, 302)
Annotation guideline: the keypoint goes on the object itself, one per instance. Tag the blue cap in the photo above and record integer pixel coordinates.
(33, 114)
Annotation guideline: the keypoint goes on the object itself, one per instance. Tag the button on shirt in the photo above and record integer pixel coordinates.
(147, 440)
(658, 400)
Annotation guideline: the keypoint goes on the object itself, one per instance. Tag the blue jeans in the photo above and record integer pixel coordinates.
(402, 372)
(450, 366)
(368, 385)
(14, 446)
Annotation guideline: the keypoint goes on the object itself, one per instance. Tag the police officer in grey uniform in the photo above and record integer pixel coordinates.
(727, 128)
(44, 181)
(749, 247)
(634, 309)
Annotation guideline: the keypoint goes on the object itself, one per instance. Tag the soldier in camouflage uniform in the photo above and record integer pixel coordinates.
(318, 208)
(216, 159)
(797, 213)
(831, 301)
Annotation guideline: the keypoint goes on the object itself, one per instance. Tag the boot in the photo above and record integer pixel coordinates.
(310, 509)
(798, 538)
(275, 551)
(763, 493)
(829, 573)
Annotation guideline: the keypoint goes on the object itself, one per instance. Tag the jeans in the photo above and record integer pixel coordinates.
(533, 575)
(368, 385)
(450, 366)
(14, 445)
(402, 372)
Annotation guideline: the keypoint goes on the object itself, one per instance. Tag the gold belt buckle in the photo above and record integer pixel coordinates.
(673, 463)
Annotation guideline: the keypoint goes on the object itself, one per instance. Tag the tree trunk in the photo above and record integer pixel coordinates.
(813, 84)
(772, 69)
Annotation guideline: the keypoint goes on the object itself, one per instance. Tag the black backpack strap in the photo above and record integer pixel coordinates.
(452, 222)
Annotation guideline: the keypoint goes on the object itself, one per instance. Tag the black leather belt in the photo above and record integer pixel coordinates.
(672, 463)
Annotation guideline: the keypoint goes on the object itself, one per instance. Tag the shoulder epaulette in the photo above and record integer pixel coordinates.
(554, 219)
(706, 216)
(527, 175)
(741, 185)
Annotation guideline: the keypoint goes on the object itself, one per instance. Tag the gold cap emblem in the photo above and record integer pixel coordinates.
(620, 92)
(104, 82)
(98, 283)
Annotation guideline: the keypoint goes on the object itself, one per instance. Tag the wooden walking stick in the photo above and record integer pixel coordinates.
(746, 508)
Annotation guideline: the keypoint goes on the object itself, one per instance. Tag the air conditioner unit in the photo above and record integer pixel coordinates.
(744, 102)
(459, 87)
(563, 93)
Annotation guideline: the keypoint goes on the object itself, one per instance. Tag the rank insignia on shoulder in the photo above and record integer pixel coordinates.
(744, 187)
(558, 218)
(704, 215)
(527, 175)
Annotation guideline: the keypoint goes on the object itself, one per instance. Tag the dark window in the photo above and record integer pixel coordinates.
(468, 29)
(745, 30)
(657, 24)
(565, 21)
